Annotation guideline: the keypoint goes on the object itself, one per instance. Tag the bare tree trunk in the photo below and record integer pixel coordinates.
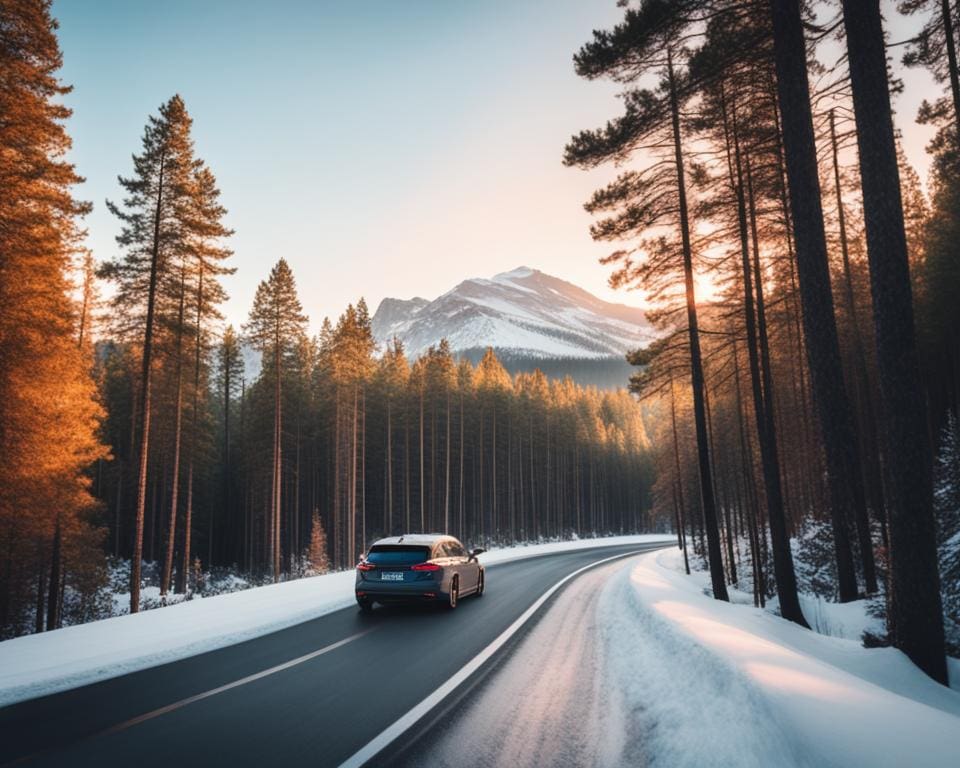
(276, 490)
(177, 432)
(423, 484)
(39, 614)
(860, 375)
(137, 555)
(226, 442)
(678, 494)
(696, 363)
(388, 527)
(188, 515)
(56, 573)
(446, 484)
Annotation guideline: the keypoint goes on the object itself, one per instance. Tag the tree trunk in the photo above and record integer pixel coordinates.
(423, 484)
(820, 329)
(188, 515)
(696, 363)
(446, 485)
(762, 388)
(177, 432)
(137, 554)
(275, 495)
(915, 610)
(56, 572)
(860, 373)
(678, 493)
(226, 442)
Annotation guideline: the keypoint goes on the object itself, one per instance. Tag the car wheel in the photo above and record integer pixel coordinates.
(454, 594)
(365, 605)
(480, 585)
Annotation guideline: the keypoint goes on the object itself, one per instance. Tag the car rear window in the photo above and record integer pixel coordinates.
(386, 554)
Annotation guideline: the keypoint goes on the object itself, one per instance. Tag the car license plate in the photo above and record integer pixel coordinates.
(392, 576)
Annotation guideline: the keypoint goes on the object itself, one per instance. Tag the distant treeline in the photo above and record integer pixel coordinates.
(374, 444)
(603, 372)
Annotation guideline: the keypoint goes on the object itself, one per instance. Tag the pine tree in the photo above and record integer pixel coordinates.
(152, 238)
(230, 368)
(205, 232)
(819, 320)
(655, 197)
(935, 47)
(392, 374)
(276, 322)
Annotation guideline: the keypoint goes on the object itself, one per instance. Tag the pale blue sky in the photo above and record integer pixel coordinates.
(384, 148)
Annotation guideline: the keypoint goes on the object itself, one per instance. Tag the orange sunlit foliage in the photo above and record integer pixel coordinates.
(48, 412)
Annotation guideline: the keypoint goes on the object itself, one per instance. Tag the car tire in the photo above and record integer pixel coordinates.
(480, 585)
(366, 606)
(454, 595)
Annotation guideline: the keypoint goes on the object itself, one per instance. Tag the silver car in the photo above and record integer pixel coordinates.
(418, 568)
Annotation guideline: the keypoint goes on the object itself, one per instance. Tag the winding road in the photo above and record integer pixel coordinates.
(329, 692)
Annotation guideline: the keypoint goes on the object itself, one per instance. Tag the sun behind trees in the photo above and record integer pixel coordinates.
(729, 181)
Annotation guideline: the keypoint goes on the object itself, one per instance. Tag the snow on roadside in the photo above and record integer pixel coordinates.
(40, 664)
(711, 683)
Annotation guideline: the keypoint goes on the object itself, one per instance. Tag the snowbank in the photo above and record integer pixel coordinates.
(36, 665)
(714, 683)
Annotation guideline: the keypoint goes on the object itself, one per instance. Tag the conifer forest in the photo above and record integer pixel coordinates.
(794, 422)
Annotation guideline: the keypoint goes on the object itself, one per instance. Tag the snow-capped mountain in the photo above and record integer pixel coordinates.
(523, 313)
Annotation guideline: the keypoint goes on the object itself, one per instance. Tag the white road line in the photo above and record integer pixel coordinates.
(393, 732)
(235, 684)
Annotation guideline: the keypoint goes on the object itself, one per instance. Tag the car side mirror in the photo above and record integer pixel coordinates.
(475, 552)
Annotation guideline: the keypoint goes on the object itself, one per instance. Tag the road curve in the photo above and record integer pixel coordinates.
(316, 692)
(547, 703)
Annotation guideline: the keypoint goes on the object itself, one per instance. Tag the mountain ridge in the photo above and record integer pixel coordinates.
(523, 313)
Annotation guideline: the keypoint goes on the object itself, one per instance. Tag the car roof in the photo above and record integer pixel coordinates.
(424, 539)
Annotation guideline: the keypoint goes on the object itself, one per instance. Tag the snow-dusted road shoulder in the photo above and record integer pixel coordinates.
(36, 665)
(710, 683)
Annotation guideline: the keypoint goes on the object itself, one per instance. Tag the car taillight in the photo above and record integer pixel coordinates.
(365, 566)
(425, 567)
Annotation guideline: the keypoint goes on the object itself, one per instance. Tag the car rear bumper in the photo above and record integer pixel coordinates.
(393, 597)
(426, 591)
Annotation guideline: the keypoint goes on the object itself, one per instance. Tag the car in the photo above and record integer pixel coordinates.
(418, 568)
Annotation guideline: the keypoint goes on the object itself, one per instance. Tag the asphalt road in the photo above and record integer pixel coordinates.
(361, 673)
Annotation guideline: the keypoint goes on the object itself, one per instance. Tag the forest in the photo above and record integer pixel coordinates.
(137, 437)
(796, 426)
(807, 419)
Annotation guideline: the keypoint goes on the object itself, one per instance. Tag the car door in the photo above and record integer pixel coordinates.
(442, 556)
(469, 570)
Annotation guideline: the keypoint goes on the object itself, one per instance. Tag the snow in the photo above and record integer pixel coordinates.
(514, 274)
(517, 311)
(40, 664)
(711, 683)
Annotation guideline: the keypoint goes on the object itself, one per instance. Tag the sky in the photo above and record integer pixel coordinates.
(384, 148)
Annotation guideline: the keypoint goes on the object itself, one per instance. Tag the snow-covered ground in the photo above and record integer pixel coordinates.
(706, 683)
(35, 665)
